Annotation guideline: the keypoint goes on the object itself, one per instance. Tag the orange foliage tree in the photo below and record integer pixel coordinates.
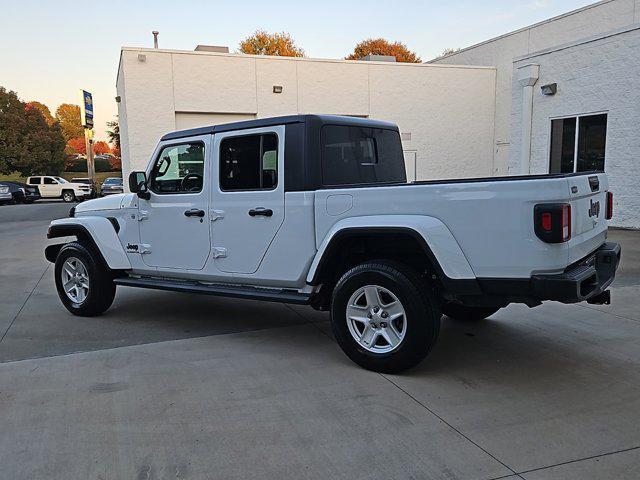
(380, 46)
(77, 145)
(115, 163)
(100, 148)
(264, 43)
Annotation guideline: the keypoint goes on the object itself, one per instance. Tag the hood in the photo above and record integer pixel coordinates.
(112, 202)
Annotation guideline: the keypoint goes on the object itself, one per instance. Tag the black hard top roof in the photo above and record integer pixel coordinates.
(269, 122)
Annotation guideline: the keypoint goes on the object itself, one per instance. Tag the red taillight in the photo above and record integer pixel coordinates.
(609, 212)
(552, 222)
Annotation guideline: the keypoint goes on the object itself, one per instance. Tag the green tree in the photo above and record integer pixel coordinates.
(44, 110)
(264, 43)
(68, 116)
(380, 46)
(113, 134)
(27, 144)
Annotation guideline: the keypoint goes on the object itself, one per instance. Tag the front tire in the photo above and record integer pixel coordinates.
(85, 285)
(68, 196)
(465, 313)
(384, 317)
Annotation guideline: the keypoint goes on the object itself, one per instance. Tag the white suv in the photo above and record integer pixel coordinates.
(58, 187)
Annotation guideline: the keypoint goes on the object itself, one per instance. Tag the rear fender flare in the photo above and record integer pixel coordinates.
(437, 239)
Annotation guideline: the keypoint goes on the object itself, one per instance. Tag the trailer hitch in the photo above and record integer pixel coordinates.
(603, 298)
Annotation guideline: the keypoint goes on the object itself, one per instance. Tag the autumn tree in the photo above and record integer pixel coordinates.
(68, 116)
(101, 147)
(44, 110)
(28, 145)
(380, 46)
(77, 145)
(264, 43)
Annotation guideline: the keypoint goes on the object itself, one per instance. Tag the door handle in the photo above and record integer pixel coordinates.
(194, 212)
(265, 212)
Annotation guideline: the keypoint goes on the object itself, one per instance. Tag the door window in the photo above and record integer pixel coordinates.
(578, 151)
(178, 169)
(34, 181)
(49, 181)
(249, 162)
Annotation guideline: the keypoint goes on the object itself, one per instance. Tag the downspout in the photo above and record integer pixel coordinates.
(527, 77)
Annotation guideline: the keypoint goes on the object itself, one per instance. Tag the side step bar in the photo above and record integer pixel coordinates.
(264, 294)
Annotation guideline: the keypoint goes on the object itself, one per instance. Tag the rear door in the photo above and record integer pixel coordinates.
(588, 198)
(247, 196)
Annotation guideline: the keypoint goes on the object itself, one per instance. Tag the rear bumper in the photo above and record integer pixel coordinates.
(111, 192)
(582, 281)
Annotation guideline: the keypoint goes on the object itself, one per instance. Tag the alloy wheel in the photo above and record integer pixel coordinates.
(376, 319)
(75, 280)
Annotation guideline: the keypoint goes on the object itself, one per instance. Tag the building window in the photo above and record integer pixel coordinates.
(578, 151)
(249, 162)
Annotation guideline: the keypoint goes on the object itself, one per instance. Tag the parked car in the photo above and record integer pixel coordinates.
(5, 195)
(87, 181)
(21, 193)
(111, 185)
(326, 218)
(58, 187)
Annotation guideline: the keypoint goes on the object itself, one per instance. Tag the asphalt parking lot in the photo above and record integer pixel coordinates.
(168, 385)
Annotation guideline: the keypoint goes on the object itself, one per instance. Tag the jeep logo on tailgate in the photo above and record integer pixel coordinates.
(594, 208)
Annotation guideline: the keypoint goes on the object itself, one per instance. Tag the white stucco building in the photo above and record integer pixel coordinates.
(479, 112)
(165, 90)
(592, 55)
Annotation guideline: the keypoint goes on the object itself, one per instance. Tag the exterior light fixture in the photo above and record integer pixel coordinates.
(277, 89)
(549, 89)
(142, 58)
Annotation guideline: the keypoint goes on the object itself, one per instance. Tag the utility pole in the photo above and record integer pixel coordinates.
(86, 118)
(88, 142)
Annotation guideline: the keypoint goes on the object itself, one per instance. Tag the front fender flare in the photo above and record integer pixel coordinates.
(437, 238)
(98, 230)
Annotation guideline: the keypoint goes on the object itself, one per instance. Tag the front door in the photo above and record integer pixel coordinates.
(174, 221)
(248, 196)
(50, 187)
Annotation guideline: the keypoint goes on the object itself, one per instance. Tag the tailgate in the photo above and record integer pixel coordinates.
(588, 198)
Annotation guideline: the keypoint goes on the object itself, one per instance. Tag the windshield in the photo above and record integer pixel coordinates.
(113, 181)
(60, 179)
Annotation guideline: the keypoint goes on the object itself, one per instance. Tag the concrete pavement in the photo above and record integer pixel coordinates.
(179, 386)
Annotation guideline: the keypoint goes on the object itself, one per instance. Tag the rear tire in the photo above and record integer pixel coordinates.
(404, 317)
(85, 285)
(465, 313)
(68, 196)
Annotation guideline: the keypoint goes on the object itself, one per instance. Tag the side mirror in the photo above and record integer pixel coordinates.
(138, 184)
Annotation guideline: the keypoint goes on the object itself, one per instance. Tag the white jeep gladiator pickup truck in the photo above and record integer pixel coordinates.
(316, 210)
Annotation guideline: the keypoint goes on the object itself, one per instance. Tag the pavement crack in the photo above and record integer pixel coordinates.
(609, 313)
(568, 462)
(458, 431)
(24, 303)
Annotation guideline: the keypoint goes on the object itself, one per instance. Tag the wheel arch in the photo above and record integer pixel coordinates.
(427, 235)
(98, 232)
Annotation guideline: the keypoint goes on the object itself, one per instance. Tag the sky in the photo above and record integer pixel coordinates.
(51, 49)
